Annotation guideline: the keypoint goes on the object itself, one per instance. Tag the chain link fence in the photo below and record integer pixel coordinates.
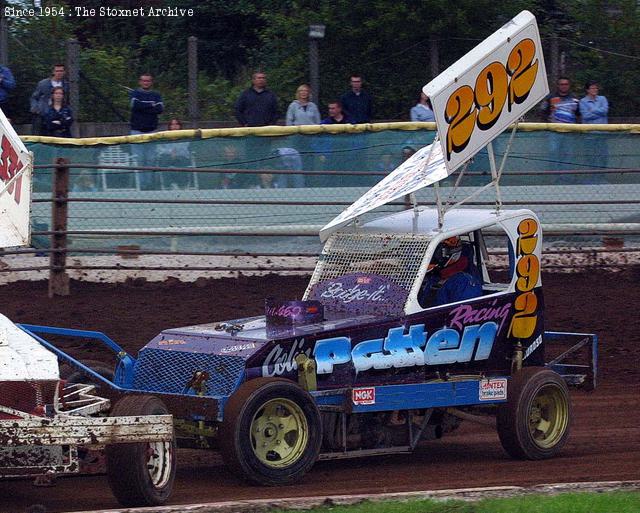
(268, 191)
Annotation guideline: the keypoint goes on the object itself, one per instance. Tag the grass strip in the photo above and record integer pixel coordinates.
(583, 502)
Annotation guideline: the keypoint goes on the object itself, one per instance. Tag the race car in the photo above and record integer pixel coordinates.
(405, 328)
(367, 362)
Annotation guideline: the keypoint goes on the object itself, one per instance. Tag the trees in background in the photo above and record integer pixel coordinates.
(394, 45)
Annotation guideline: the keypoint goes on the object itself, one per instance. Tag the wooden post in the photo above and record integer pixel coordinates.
(434, 57)
(555, 63)
(192, 57)
(73, 75)
(58, 277)
(314, 69)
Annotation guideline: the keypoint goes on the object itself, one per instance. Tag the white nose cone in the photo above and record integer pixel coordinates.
(16, 165)
(22, 358)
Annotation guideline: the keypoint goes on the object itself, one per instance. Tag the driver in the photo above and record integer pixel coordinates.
(448, 278)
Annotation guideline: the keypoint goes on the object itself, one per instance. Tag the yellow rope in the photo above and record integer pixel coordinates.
(274, 131)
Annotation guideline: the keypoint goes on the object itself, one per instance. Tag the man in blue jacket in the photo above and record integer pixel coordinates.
(146, 105)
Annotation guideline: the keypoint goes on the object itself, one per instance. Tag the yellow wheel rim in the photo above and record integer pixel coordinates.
(279, 433)
(548, 416)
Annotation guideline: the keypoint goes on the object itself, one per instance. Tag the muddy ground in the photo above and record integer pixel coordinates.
(605, 440)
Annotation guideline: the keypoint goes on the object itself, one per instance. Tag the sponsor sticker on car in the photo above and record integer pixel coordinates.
(493, 389)
(364, 395)
(237, 348)
(171, 342)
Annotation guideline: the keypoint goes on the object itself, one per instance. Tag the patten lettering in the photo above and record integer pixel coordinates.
(412, 349)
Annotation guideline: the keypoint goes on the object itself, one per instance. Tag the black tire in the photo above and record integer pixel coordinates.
(141, 474)
(271, 433)
(534, 423)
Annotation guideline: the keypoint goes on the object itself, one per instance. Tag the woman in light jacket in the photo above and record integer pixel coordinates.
(302, 111)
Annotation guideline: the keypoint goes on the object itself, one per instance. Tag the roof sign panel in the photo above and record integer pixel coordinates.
(492, 86)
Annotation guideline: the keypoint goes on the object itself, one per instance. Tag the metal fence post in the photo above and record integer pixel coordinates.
(194, 114)
(555, 62)
(58, 277)
(434, 56)
(4, 43)
(73, 75)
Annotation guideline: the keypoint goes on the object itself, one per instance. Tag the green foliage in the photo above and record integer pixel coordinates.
(105, 75)
(217, 97)
(390, 49)
(390, 43)
(615, 26)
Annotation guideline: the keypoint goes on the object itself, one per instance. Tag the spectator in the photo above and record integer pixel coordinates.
(85, 182)
(407, 151)
(422, 111)
(594, 108)
(289, 159)
(42, 95)
(257, 106)
(7, 83)
(357, 103)
(175, 154)
(561, 106)
(386, 163)
(58, 118)
(231, 157)
(302, 111)
(336, 116)
(266, 181)
(146, 105)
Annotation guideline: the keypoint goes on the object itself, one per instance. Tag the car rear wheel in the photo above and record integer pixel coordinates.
(271, 433)
(141, 474)
(534, 422)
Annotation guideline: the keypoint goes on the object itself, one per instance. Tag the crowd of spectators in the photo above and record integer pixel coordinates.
(257, 106)
(563, 106)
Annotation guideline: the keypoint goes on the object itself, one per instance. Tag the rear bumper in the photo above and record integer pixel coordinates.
(74, 430)
(36, 446)
(577, 361)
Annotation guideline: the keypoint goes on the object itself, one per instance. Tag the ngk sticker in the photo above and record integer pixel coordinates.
(364, 395)
(493, 389)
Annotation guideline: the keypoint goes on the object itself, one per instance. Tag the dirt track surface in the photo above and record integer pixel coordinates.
(604, 444)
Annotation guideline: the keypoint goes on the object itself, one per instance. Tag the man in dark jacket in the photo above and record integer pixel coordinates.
(146, 105)
(357, 103)
(336, 116)
(257, 106)
(41, 97)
